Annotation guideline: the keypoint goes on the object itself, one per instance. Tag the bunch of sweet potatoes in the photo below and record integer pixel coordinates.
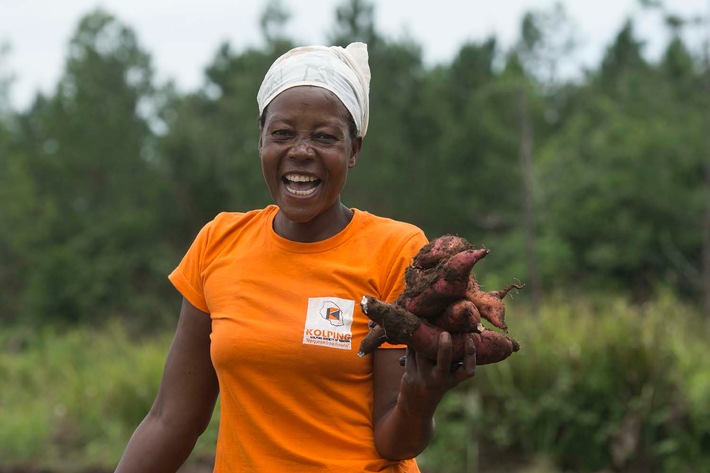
(442, 293)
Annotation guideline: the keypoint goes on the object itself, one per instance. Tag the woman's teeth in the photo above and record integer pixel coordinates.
(301, 185)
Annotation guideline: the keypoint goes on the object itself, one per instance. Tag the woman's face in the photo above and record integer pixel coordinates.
(306, 151)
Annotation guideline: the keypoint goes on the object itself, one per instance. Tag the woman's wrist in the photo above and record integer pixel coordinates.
(416, 402)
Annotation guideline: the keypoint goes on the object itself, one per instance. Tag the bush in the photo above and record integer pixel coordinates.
(598, 384)
(71, 399)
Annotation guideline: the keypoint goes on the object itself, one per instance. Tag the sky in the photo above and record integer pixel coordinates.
(182, 36)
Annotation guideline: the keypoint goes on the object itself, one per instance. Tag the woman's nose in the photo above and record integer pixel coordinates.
(301, 148)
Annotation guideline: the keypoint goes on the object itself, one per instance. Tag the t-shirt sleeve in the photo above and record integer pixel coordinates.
(396, 284)
(395, 280)
(187, 276)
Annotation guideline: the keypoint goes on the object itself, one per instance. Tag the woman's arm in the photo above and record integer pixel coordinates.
(184, 404)
(405, 399)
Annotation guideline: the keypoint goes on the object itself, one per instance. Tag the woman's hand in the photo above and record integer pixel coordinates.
(426, 381)
(406, 398)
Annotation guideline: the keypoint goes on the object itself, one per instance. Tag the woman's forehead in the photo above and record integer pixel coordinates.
(298, 98)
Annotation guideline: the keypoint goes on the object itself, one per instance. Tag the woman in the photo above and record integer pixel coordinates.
(270, 319)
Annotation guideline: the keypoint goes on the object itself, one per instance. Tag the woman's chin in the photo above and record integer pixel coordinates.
(296, 213)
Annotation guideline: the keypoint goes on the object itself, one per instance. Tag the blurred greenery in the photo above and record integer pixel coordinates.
(599, 385)
(106, 180)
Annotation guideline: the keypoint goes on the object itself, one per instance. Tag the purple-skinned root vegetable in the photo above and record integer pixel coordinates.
(440, 286)
(441, 294)
(461, 316)
(403, 327)
(440, 249)
(490, 304)
(374, 338)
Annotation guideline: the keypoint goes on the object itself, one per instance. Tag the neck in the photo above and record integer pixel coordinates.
(322, 227)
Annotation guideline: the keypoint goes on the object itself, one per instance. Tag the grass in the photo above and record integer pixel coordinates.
(70, 399)
(598, 384)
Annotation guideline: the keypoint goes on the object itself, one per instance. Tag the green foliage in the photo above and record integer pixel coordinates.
(355, 22)
(106, 181)
(624, 55)
(598, 385)
(83, 191)
(6, 80)
(621, 184)
(210, 149)
(272, 21)
(73, 397)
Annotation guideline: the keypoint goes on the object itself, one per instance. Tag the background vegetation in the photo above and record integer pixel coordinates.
(593, 191)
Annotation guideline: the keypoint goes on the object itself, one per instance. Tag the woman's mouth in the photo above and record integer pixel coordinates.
(301, 184)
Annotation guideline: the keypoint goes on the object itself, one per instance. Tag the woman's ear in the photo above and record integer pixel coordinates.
(356, 147)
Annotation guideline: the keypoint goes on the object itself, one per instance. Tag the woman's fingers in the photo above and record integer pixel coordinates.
(444, 373)
(444, 353)
(468, 366)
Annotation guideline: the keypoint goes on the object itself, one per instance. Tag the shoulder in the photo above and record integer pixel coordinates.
(225, 227)
(393, 233)
(226, 223)
(387, 226)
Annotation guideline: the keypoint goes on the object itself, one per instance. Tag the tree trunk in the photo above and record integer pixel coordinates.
(706, 216)
(706, 240)
(526, 140)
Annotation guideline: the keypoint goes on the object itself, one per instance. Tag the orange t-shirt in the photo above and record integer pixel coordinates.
(286, 327)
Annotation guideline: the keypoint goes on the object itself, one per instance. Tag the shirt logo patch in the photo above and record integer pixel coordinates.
(329, 322)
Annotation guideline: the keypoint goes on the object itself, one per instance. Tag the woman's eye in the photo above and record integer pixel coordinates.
(325, 138)
(281, 133)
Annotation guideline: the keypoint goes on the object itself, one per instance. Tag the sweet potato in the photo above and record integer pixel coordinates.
(440, 249)
(490, 304)
(397, 322)
(415, 276)
(504, 292)
(403, 327)
(460, 317)
(374, 338)
(492, 347)
(444, 284)
(441, 294)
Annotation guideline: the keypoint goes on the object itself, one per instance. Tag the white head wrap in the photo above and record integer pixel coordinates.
(343, 71)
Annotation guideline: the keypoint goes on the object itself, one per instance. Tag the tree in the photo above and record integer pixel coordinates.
(6, 79)
(355, 21)
(622, 179)
(623, 66)
(210, 149)
(692, 78)
(272, 21)
(547, 38)
(94, 179)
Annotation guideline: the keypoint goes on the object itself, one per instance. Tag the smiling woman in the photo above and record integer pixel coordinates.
(314, 109)
(270, 319)
(306, 152)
